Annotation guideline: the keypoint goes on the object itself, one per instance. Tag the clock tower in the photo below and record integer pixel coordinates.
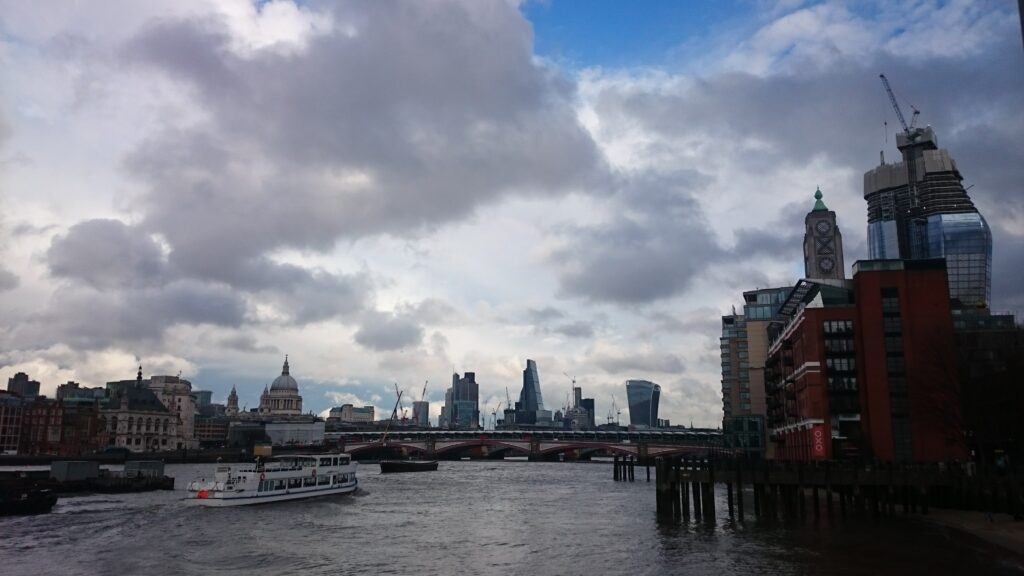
(823, 244)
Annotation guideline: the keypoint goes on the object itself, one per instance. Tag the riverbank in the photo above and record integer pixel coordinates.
(998, 531)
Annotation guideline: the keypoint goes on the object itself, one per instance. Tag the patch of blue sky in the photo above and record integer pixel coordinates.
(615, 33)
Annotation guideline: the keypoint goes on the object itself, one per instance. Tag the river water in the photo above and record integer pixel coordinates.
(482, 517)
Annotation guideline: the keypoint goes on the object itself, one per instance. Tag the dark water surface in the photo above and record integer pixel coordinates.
(466, 518)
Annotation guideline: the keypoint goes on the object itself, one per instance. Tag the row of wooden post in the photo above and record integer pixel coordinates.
(624, 469)
(686, 487)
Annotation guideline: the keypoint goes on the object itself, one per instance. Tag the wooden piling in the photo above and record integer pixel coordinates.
(708, 506)
(685, 493)
(757, 499)
(696, 501)
(676, 506)
(728, 493)
(814, 496)
(739, 490)
(659, 484)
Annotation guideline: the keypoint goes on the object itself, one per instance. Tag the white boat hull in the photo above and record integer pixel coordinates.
(217, 500)
(291, 477)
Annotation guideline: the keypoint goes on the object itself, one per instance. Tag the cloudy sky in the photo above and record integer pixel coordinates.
(389, 191)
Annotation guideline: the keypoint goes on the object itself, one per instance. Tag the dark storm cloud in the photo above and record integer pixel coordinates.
(432, 311)
(111, 255)
(8, 280)
(544, 315)
(1007, 264)
(424, 113)
(106, 254)
(5, 129)
(637, 363)
(550, 320)
(307, 295)
(653, 250)
(247, 343)
(578, 329)
(385, 331)
(91, 319)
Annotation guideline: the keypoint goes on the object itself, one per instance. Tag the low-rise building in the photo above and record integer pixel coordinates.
(11, 410)
(349, 414)
(41, 426)
(136, 419)
(176, 395)
(212, 430)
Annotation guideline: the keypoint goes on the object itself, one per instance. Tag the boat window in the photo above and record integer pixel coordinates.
(280, 485)
(334, 461)
(343, 461)
(309, 481)
(323, 481)
(325, 461)
(294, 482)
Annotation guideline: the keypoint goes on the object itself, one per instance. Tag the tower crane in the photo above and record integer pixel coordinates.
(613, 413)
(494, 416)
(895, 106)
(572, 393)
(912, 134)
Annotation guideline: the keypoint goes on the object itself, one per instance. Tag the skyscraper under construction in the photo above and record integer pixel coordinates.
(918, 208)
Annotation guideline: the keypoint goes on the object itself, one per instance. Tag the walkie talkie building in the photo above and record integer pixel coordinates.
(643, 399)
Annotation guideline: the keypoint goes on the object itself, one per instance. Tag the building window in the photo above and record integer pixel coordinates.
(892, 325)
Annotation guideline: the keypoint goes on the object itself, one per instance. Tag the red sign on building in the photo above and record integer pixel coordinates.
(819, 438)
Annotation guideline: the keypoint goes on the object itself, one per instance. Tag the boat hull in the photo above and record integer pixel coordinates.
(30, 502)
(215, 500)
(394, 466)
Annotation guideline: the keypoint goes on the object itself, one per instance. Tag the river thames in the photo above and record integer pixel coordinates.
(508, 517)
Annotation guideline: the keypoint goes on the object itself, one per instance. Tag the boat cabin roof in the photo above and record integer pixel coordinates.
(304, 458)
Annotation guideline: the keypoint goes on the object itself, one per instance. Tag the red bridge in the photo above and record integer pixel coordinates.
(543, 446)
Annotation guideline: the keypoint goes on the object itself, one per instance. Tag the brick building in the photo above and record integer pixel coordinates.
(867, 369)
(911, 385)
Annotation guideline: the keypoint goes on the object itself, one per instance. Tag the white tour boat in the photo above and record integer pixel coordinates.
(291, 477)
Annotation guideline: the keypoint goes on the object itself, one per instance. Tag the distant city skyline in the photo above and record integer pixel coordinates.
(395, 194)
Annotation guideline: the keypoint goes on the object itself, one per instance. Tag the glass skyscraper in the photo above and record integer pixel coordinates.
(530, 408)
(919, 209)
(643, 399)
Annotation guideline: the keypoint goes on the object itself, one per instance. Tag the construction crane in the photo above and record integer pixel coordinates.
(508, 399)
(613, 413)
(398, 406)
(494, 416)
(572, 393)
(416, 408)
(907, 129)
(912, 135)
(394, 416)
